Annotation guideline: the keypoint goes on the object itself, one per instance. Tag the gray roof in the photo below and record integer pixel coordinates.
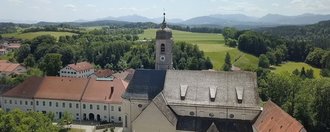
(145, 84)
(202, 124)
(167, 112)
(201, 82)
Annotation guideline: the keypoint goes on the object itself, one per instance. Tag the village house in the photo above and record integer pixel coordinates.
(8, 68)
(83, 98)
(79, 70)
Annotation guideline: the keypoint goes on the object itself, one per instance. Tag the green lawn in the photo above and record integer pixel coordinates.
(213, 46)
(32, 35)
(290, 66)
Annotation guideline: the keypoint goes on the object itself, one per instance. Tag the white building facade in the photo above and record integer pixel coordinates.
(79, 70)
(84, 107)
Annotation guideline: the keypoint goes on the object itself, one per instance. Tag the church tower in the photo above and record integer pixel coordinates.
(164, 43)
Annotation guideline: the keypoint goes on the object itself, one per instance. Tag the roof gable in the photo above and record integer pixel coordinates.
(273, 118)
(211, 88)
(145, 84)
(81, 66)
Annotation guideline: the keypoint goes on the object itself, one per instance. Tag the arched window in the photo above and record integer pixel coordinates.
(162, 48)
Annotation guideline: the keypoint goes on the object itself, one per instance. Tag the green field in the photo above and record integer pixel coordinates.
(32, 35)
(213, 47)
(291, 66)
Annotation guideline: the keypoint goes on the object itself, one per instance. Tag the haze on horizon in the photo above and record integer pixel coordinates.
(71, 10)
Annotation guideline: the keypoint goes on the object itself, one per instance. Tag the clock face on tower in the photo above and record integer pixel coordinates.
(162, 58)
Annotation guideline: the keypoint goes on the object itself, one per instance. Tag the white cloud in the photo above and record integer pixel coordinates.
(240, 7)
(316, 6)
(15, 1)
(71, 7)
(91, 5)
(44, 1)
(275, 4)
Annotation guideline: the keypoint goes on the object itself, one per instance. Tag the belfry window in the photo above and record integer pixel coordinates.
(162, 48)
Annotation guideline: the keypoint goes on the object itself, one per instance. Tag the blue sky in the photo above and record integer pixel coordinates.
(69, 10)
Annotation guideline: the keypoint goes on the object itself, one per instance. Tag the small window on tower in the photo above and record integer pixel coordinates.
(162, 48)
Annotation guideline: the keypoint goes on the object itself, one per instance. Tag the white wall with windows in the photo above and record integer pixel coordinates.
(8, 103)
(69, 72)
(79, 110)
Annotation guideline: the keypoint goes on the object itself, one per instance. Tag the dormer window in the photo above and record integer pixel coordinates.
(183, 91)
(213, 93)
(162, 48)
(239, 94)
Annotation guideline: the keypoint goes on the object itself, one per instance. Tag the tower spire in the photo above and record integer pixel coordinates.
(164, 22)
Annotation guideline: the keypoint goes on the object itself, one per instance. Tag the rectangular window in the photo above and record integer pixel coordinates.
(119, 118)
(5, 101)
(15, 101)
(26, 103)
(112, 108)
(50, 103)
(63, 105)
(105, 107)
(10, 102)
(56, 104)
(84, 106)
(119, 108)
(20, 102)
(31, 102)
(91, 106)
(97, 107)
(77, 105)
(70, 105)
(43, 103)
(37, 102)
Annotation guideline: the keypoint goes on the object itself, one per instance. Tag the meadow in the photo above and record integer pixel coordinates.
(213, 47)
(291, 66)
(32, 35)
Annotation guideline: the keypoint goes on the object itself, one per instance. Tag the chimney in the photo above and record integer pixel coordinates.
(111, 91)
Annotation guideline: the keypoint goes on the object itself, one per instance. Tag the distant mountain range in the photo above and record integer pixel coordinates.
(235, 20)
(138, 18)
(232, 19)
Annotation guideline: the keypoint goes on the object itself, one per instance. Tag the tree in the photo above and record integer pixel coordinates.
(310, 73)
(29, 61)
(271, 57)
(231, 42)
(296, 72)
(65, 120)
(22, 53)
(51, 64)
(17, 120)
(263, 61)
(314, 58)
(322, 105)
(227, 66)
(43, 39)
(303, 72)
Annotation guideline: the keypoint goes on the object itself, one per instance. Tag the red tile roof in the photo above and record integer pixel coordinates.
(27, 89)
(100, 91)
(274, 119)
(63, 88)
(81, 66)
(103, 73)
(14, 46)
(66, 88)
(8, 67)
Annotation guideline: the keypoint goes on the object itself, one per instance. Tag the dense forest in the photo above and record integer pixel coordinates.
(316, 34)
(298, 93)
(114, 48)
